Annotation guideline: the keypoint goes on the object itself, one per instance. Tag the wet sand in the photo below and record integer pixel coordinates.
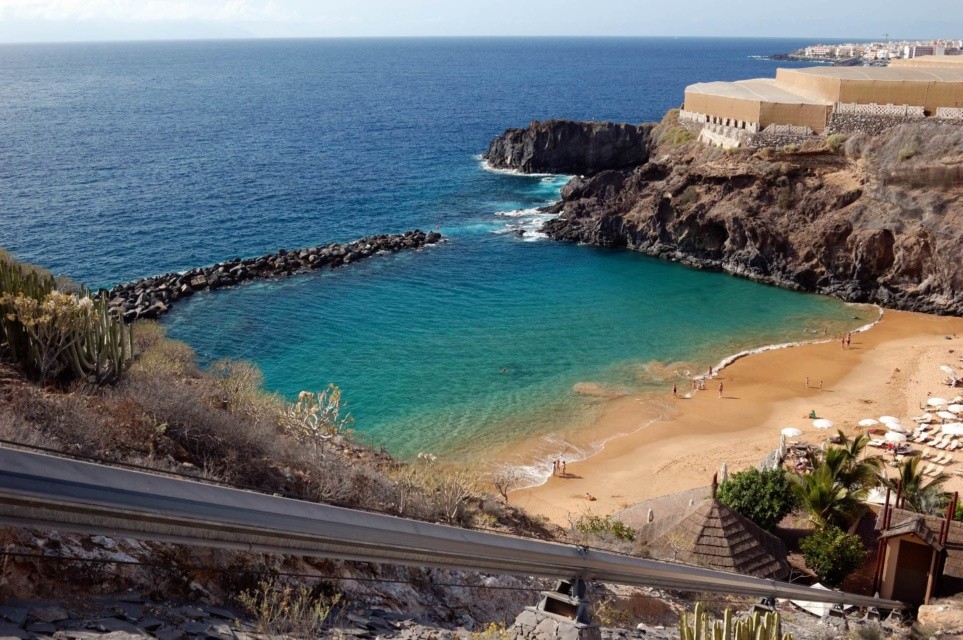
(887, 370)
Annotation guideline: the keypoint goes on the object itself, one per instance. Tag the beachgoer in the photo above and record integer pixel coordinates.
(675, 390)
(807, 382)
(849, 338)
(842, 343)
(564, 472)
(554, 467)
(720, 389)
(590, 497)
(820, 385)
(710, 370)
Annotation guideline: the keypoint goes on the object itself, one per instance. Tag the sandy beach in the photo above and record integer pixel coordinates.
(887, 370)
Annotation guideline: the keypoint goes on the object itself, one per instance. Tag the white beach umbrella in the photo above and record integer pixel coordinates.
(885, 419)
(895, 436)
(926, 417)
(868, 422)
(948, 370)
(946, 415)
(936, 402)
(791, 432)
(953, 428)
(823, 423)
(898, 428)
(955, 408)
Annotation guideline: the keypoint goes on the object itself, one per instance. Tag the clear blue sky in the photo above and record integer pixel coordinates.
(60, 20)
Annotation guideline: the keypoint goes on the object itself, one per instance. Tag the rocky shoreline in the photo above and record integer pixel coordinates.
(151, 297)
(875, 217)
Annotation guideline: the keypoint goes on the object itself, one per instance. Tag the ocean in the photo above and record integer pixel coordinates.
(124, 160)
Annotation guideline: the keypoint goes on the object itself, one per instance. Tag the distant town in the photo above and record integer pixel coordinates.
(874, 53)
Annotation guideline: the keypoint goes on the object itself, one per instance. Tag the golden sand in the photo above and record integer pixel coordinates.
(887, 370)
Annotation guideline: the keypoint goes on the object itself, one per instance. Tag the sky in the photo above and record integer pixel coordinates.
(85, 20)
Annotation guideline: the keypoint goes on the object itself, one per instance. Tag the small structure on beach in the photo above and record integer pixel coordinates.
(711, 534)
(919, 556)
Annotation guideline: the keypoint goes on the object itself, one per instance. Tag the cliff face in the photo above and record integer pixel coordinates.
(563, 146)
(877, 220)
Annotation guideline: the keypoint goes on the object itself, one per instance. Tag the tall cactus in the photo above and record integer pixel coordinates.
(754, 627)
(105, 350)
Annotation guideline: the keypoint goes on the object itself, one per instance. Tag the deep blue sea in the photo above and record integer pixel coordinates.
(124, 160)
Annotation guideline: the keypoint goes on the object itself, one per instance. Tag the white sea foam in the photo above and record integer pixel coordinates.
(525, 223)
(725, 362)
(515, 172)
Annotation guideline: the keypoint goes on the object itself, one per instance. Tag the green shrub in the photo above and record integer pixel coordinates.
(790, 148)
(832, 554)
(835, 142)
(677, 136)
(605, 527)
(906, 153)
(765, 497)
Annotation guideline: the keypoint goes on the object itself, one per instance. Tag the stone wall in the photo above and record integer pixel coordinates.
(723, 136)
(949, 113)
(873, 109)
(787, 130)
(692, 116)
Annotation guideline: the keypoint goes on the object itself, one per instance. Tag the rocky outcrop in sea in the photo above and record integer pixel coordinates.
(152, 297)
(564, 146)
(877, 218)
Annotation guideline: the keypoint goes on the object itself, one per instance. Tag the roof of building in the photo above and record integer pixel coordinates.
(882, 74)
(954, 540)
(916, 527)
(930, 61)
(757, 89)
(713, 535)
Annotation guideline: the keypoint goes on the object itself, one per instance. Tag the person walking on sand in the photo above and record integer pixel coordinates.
(820, 385)
(675, 390)
(807, 382)
(849, 339)
(720, 389)
(564, 472)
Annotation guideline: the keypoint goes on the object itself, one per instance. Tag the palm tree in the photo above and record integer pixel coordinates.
(833, 493)
(827, 500)
(920, 493)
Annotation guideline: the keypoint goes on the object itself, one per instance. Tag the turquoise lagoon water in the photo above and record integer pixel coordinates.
(123, 160)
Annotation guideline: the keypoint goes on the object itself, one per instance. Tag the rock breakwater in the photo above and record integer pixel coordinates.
(154, 296)
(564, 146)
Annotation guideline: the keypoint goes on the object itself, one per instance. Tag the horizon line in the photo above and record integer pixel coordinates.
(239, 38)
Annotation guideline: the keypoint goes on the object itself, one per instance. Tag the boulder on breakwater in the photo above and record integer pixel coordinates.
(152, 297)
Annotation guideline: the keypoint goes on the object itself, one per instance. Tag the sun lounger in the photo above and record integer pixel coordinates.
(954, 445)
(927, 453)
(937, 470)
(926, 470)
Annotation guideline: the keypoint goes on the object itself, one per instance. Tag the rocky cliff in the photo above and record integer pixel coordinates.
(563, 146)
(866, 219)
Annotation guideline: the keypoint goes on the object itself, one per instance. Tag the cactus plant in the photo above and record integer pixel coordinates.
(753, 627)
(46, 331)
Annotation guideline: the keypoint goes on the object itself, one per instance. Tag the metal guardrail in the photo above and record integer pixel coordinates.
(45, 491)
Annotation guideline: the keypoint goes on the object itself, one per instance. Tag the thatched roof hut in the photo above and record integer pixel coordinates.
(712, 535)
